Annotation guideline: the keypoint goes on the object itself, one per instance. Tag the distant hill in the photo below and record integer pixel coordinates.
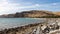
(32, 14)
(57, 13)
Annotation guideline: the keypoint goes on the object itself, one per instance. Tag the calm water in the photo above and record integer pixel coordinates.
(14, 22)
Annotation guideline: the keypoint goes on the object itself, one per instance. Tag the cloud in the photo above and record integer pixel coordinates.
(5, 6)
(8, 7)
(31, 6)
(54, 3)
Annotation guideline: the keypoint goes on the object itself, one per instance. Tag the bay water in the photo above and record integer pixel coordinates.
(16, 22)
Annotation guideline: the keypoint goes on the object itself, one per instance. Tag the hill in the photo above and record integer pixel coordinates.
(57, 13)
(32, 14)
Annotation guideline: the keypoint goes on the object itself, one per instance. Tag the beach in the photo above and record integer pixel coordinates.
(50, 26)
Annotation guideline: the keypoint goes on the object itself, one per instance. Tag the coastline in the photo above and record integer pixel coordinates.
(48, 27)
(21, 29)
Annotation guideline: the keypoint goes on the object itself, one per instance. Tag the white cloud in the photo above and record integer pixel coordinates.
(7, 7)
(37, 4)
(54, 3)
(31, 6)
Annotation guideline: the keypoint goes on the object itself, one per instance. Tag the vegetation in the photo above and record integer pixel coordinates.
(50, 17)
(32, 14)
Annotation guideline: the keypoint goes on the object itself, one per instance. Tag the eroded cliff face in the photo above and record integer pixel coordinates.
(50, 26)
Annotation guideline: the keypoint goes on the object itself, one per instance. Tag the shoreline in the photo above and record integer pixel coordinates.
(42, 27)
(21, 28)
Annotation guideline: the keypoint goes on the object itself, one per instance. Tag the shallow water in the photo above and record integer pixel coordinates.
(15, 22)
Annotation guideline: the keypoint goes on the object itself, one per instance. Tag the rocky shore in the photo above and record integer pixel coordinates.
(51, 26)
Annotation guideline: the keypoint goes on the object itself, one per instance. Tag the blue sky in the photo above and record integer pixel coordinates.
(13, 6)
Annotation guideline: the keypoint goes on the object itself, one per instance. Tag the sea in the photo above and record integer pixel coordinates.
(17, 22)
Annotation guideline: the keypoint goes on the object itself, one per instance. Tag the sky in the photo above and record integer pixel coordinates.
(13, 6)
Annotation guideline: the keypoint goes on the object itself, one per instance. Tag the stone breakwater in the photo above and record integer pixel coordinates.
(51, 26)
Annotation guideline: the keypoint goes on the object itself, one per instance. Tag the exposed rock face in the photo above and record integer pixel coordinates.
(32, 14)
